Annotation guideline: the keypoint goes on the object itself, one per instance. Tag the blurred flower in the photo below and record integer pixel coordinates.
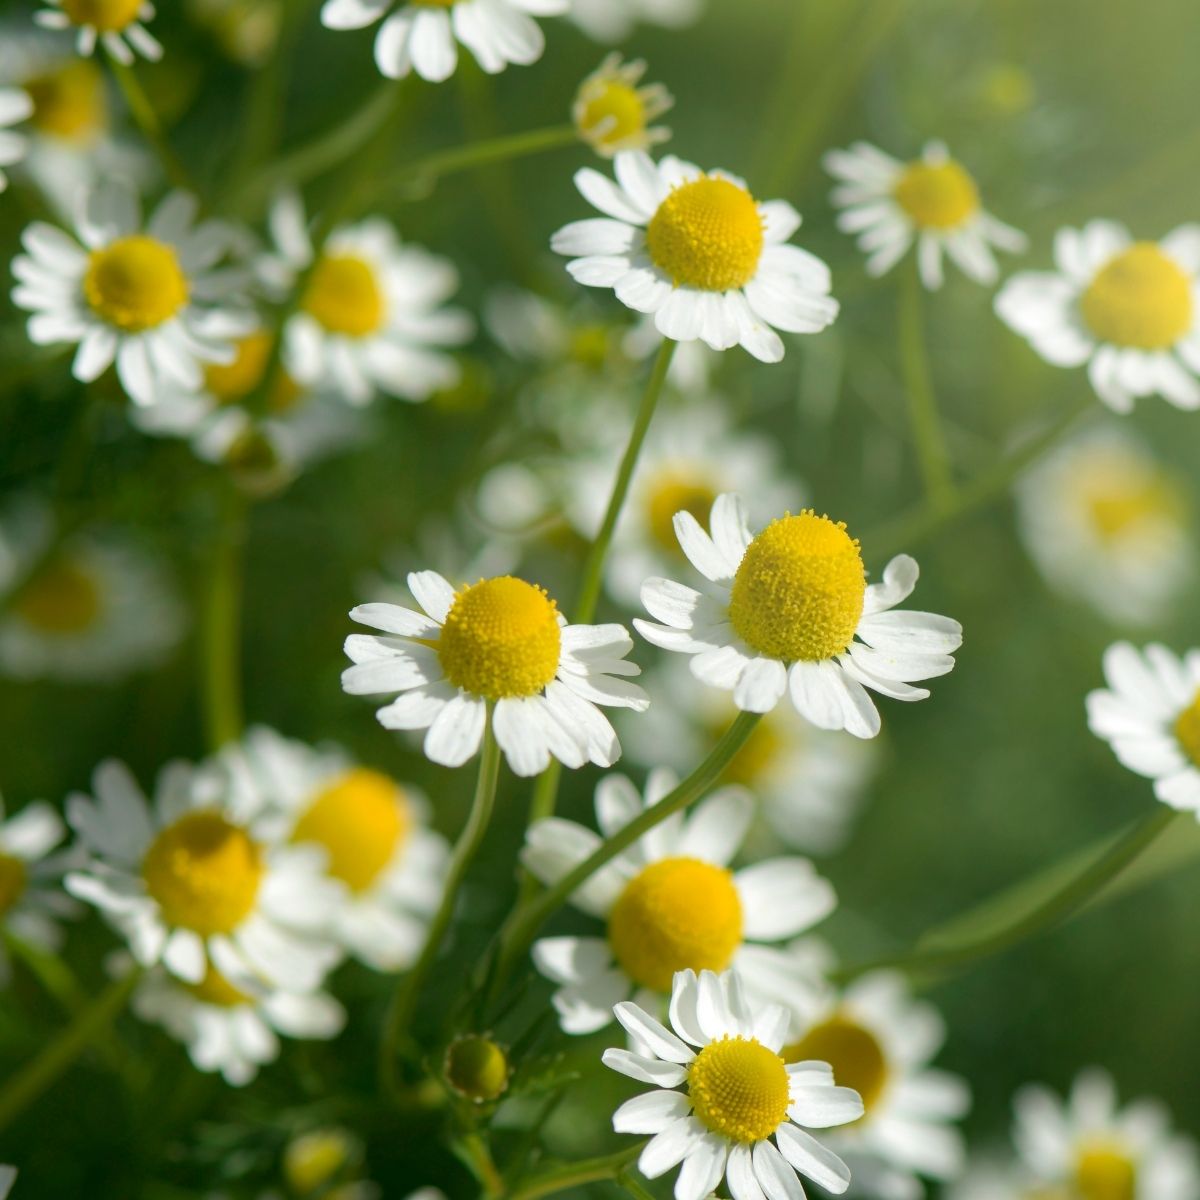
(15, 106)
(612, 113)
(740, 1094)
(671, 903)
(8, 1176)
(248, 30)
(423, 37)
(785, 612)
(119, 25)
(613, 20)
(1104, 521)
(499, 643)
(993, 1181)
(698, 252)
(1127, 309)
(1150, 715)
(314, 1160)
(931, 200)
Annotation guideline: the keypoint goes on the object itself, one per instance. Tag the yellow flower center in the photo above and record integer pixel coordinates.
(232, 382)
(1104, 1171)
(798, 593)
(589, 346)
(707, 234)
(345, 296)
(1187, 730)
(13, 877)
(135, 283)
(69, 102)
(205, 872)
(215, 989)
(313, 1160)
(854, 1053)
(759, 752)
(360, 818)
(108, 16)
(739, 1088)
(62, 598)
(1140, 298)
(1122, 494)
(673, 492)
(937, 195)
(612, 113)
(676, 914)
(501, 638)
(477, 1067)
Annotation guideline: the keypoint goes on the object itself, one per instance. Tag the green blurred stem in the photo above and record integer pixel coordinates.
(478, 1156)
(588, 1170)
(220, 624)
(142, 111)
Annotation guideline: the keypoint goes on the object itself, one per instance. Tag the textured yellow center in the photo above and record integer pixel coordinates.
(345, 296)
(69, 102)
(501, 638)
(135, 283)
(1141, 299)
(108, 16)
(1187, 730)
(12, 881)
(360, 819)
(739, 1089)
(707, 234)
(613, 112)
(61, 598)
(477, 1067)
(313, 1160)
(205, 872)
(673, 492)
(676, 914)
(853, 1052)
(215, 989)
(1105, 1172)
(798, 593)
(937, 195)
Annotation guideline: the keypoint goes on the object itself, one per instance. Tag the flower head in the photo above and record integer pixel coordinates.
(118, 25)
(612, 113)
(16, 105)
(614, 20)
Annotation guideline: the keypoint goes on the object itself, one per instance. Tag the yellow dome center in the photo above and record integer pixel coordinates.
(676, 914)
(477, 1068)
(937, 195)
(62, 598)
(345, 296)
(107, 16)
(798, 593)
(672, 492)
(136, 283)
(612, 113)
(501, 638)
(854, 1053)
(1141, 298)
(1122, 496)
(312, 1161)
(707, 234)
(1187, 730)
(216, 990)
(739, 1089)
(205, 872)
(1105, 1172)
(13, 877)
(232, 382)
(69, 102)
(360, 819)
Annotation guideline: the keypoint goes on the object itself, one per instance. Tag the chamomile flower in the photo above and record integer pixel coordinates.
(118, 25)
(783, 614)
(371, 317)
(613, 20)
(1129, 310)
(191, 882)
(612, 113)
(1106, 522)
(1093, 1148)
(670, 903)
(499, 651)
(932, 201)
(725, 1103)
(1150, 715)
(16, 106)
(424, 35)
(700, 253)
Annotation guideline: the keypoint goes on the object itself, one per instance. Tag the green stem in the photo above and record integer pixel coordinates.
(143, 113)
(588, 1170)
(220, 625)
(478, 1156)
(541, 805)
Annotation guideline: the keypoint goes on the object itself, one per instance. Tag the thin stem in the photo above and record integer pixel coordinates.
(143, 113)
(220, 625)
(588, 1170)
(541, 805)
(478, 1156)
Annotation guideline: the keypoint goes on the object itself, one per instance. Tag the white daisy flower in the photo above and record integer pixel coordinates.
(700, 253)
(1150, 715)
(191, 881)
(371, 317)
(614, 20)
(1107, 523)
(386, 865)
(495, 650)
(670, 903)
(16, 106)
(932, 201)
(740, 1118)
(612, 113)
(424, 36)
(118, 25)
(1129, 310)
(153, 299)
(1092, 1147)
(782, 612)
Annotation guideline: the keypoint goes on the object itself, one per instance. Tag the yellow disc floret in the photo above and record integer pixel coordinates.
(676, 914)
(1141, 299)
(205, 872)
(345, 296)
(610, 114)
(62, 598)
(674, 491)
(501, 638)
(1187, 730)
(739, 1089)
(798, 593)
(106, 16)
(937, 195)
(69, 102)
(853, 1051)
(13, 877)
(136, 283)
(1105, 1171)
(360, 819)
(707, 234)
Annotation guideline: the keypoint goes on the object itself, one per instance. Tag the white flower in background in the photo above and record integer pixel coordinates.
(700, 253)
(1128, 310)
(118, 25)
(15, 106)
(500, 651)
(1106, 522)
(671, 903)
(784, 613)
(1150, 715)
(190, 881)
(613, 113)
(932, 201)
(725, 1104)
(424, 37)
(990, 1180)
(880, 1042)
(613, 20)
(8, 1176)
(1096, 1150)
(370, 318)
(247, 30)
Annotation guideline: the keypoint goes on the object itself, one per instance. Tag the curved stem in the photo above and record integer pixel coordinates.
(588, 1170)
(144, 115)
(220, 625)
